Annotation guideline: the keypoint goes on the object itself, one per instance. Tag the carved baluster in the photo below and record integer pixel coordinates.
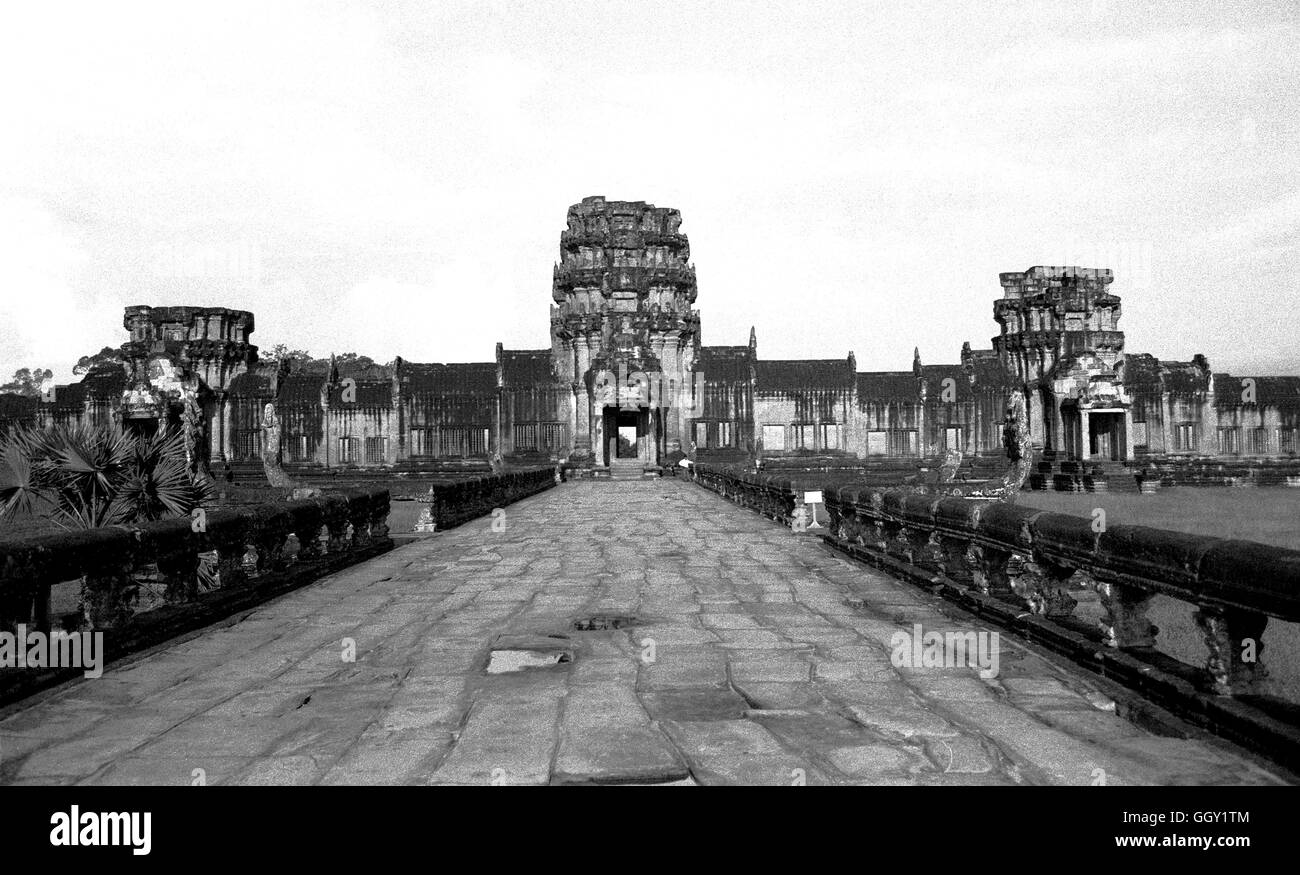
(927, 549)
(270, 544)
(1235, 640)
(990, 574)
(1044, 587)
(179, 575)
(876, 537)
(230, 561)
(954, 559)
(886, 535)
(308, 532)
(337, 523)
(109, 596)
(1125, 624)
(359, 517)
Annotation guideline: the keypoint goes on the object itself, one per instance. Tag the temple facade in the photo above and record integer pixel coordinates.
(627, 381)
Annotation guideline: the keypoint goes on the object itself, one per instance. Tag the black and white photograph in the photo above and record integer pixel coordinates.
(404, 397)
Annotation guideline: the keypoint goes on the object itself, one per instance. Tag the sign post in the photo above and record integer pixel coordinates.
(814, 499)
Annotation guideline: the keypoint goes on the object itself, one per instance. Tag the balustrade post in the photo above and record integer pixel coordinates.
(990, 574)
(179, 575)
(954, 558)
(359, 517)
(108, 597)
(1043, 585)
(1125, 624)
(308, 533)
(1235, 640)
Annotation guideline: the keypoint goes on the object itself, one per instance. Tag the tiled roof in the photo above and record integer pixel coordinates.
(452, 379)
(795, 374)
(990, 372)
(1142, 371)
(300, 388)
(527, 367)
(1282, 392)
(369, 393)
(251, 383)
(934, 376)
(1184, 377)
(726, 364)
(886, 386)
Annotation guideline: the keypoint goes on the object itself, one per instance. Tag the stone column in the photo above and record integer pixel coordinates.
(1209, 427)
(1035, 414)
(228, 428)
(1083, 434)
(598, 431)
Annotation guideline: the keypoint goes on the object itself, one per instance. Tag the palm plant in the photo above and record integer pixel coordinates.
(158, 484)
(83, 476)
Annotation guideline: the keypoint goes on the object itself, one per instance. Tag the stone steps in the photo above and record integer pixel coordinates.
(626, 469)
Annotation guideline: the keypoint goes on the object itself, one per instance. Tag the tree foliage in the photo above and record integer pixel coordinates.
(107, 355)
(28, 381)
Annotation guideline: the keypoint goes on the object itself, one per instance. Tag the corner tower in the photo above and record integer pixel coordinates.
(624, 334)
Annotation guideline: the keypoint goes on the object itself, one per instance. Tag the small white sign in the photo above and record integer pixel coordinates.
(812, 497)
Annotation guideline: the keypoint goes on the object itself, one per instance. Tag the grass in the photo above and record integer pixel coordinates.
(1267, 515)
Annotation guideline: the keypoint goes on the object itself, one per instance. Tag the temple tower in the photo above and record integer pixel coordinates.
(179, 364)
(1061, 339)
(623, 331)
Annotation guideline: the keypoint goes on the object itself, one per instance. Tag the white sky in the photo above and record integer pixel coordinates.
(392, 179)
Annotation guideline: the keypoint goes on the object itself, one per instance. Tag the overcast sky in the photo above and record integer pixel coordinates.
(392, 178)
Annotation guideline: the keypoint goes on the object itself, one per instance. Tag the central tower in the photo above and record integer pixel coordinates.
(624, 334)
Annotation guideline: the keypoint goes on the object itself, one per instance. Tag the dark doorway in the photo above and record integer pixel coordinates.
(627, 434)
(1106, 436)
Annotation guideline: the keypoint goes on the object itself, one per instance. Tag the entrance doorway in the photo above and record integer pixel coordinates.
(1106, 436)
(629, 434)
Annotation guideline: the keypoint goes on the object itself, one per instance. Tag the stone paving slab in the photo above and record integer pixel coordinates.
(751, 655)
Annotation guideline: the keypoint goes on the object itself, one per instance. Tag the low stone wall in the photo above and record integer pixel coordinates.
(1026, 569)
(459, 502)
(1210, 471)
(771, 495)
(141, 585)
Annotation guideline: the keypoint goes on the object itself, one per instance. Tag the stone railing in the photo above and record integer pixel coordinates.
(143, 584)
(1024, 568)
(771, 495)
(460, 501)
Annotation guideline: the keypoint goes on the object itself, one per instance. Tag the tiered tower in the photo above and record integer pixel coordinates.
(1061, 339)
(623, 331)
(1050, 313)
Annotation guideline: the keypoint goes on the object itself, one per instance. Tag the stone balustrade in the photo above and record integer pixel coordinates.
(145, 583)
(771, 495)
(1029, 569)
(460, 501)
